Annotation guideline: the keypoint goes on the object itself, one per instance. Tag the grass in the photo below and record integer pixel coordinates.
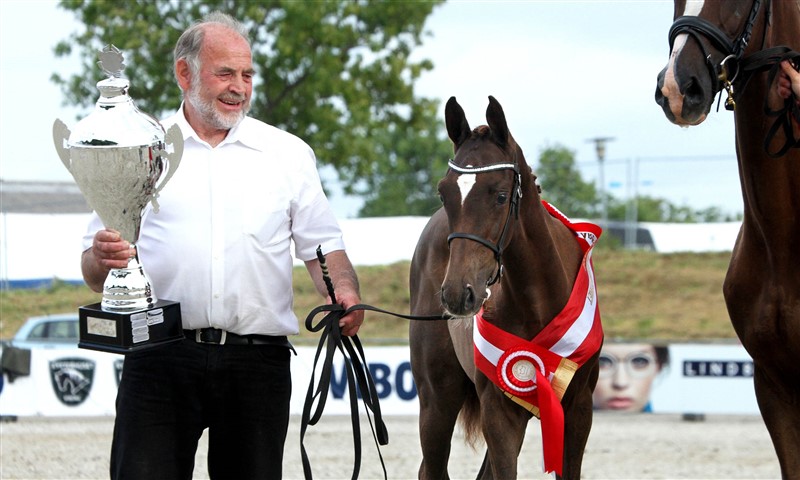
(643, 295)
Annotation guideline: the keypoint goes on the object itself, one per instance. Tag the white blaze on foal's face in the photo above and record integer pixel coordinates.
(465, 183)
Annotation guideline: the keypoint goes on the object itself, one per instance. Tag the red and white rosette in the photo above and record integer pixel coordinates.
(517, 370)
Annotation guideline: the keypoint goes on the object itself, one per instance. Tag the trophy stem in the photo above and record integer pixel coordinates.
(128, 289)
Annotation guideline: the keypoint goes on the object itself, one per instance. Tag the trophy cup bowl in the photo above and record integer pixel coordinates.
(117, 155)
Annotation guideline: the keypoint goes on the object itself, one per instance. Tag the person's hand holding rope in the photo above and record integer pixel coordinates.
(789, 81)
(347, 293)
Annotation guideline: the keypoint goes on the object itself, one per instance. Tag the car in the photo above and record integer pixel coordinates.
(48, 331)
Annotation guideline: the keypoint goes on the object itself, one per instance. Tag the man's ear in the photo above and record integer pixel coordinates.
(183, 74)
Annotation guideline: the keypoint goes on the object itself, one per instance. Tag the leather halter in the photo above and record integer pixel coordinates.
(696, 27)
(516, 194)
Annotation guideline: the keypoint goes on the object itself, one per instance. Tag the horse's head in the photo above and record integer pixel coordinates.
(480, 193)
(707, 41)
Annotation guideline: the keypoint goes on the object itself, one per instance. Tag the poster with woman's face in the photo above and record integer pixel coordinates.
(627, 372)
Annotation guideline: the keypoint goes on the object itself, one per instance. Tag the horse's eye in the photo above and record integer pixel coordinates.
(441, 198)
(502, 198)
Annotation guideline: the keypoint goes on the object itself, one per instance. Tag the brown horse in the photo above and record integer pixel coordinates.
(488, 248)
(736, 45)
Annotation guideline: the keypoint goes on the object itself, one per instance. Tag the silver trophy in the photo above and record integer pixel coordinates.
(117, 155)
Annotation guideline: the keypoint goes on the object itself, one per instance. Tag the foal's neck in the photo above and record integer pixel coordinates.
(541, 263)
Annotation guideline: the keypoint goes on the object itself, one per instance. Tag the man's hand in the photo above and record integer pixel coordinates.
(109, 250)
(351, 322)
(788, 80)
(345, 284)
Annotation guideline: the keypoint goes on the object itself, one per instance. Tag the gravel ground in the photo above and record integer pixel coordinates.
(634, 446)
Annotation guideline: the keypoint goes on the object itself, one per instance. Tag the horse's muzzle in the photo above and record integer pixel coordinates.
(461, 302)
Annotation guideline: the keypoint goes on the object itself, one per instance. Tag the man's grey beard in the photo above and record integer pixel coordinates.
(209, 112)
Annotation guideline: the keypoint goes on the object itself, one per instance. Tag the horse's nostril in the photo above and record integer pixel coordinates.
(693, 92)
(469, 298)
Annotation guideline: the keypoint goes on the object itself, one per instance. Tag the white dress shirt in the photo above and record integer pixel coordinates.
(220, 243)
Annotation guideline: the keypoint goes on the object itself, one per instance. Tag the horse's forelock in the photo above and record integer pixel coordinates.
(482, 131)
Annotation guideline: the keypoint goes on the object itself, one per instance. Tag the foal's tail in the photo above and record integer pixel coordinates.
(470, 417)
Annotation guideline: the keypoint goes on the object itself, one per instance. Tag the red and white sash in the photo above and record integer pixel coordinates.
(536, 373)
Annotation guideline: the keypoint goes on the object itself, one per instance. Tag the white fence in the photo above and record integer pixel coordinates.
(36, 248)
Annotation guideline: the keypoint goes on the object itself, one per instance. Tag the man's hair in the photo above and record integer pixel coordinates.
(191, 41)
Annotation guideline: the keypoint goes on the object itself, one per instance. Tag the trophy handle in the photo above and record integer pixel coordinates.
(174, 137)
(60, 136)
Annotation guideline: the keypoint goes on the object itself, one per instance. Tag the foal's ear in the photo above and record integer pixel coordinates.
(457, 127)
(497, 122)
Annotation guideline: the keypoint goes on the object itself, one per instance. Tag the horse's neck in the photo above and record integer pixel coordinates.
(784, 27)
(540, 265)
(770, 186)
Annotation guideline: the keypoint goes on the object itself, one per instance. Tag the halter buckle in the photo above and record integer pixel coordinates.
(730, 103)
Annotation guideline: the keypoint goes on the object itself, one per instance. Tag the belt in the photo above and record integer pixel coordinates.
(216, 336)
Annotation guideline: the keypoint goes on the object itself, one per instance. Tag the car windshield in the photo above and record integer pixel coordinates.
(55, 330)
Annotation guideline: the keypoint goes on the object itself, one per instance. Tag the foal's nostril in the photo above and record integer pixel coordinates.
(469, 298)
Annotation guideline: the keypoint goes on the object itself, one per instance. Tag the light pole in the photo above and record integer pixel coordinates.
(600, 148)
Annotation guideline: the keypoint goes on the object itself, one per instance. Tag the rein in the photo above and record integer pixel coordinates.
(359, 378)
(744, 67)
(516, 194)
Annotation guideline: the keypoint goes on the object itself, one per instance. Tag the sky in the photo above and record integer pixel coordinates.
(565, 72)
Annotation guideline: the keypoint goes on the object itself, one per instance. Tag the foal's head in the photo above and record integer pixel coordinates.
(481, 194)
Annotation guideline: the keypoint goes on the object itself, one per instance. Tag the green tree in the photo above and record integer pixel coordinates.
(563, 186)
(405, 181)
(336, 73)
(653, 209)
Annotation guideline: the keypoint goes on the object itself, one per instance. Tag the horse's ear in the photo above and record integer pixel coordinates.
(457, 127)
(497, 122)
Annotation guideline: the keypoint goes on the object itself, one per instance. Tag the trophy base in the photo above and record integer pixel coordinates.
(131, 331)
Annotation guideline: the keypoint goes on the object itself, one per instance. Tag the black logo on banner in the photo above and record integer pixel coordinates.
(718, 368)
(72, 379)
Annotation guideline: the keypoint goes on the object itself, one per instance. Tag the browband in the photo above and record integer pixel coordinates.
(487, 168)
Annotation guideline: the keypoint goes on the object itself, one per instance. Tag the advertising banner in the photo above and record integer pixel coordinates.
(679, 378)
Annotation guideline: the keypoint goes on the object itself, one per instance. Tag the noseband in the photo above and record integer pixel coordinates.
(516, 194)
(725, 73)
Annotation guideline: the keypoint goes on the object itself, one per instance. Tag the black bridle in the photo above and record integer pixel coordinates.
(726, 72)
(516, 194)
(735, 69)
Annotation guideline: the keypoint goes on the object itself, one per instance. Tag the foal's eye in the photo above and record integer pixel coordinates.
(502, 198)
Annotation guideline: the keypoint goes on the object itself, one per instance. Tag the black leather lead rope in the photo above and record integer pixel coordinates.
(359, 381)
(359, 378)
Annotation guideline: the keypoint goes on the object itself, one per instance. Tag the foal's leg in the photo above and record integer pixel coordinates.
(577, 425)
(577, 403)
(503, 423)
(442, 387)
(780, 408)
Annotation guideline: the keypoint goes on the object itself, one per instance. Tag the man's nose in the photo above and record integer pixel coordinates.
(238, 85)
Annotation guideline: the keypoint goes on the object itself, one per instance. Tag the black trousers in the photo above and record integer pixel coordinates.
(168, 395)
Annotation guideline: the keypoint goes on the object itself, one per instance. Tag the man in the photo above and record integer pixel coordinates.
(220, 245)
